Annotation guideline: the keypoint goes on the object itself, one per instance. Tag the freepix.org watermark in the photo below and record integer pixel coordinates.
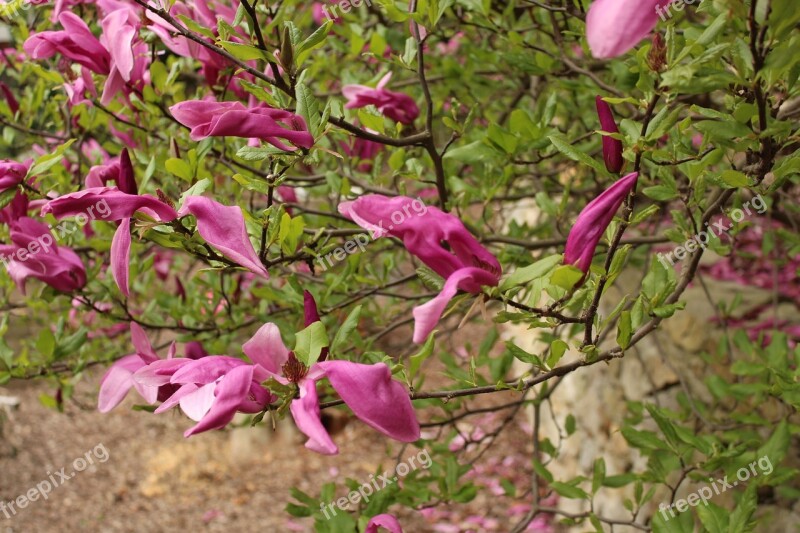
(719, 486)
(665, 12)
(702, 238)
(382, 481)
(360, 241)
(54, 480)
(46, 241)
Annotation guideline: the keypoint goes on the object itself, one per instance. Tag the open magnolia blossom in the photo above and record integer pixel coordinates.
(212, 389)
(593, 221)
(466, 265)
(369, 390)
(615, 26)
(222, 227)
(396, 106)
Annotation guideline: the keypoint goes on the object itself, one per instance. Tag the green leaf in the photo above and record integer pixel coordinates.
(563, 146)
(557, 350)
(46, 343)
(347, 327)
(566, 276)
(598, 474)
(314, 41)
(624, 330)
(569, 491)
(416, 360)
(524, 356)
(179, 168)
(713, 517)
(734, 179)
(47, 161)
(310, 342)
(524, 275)
(244, 52)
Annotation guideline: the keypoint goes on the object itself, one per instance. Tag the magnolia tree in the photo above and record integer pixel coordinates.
(279, 187)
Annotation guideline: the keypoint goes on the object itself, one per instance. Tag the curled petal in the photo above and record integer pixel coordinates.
(427, 315)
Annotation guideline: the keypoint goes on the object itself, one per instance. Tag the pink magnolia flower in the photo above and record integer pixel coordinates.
(615, 26)
(385, 521)
(118, 380)
(466, 265)
(233, 119)
(210, 390)
(11, 174)
(612, 148)
(396, 106)
(75, 42)
(369, 390)
(593, 221)
(33, 253)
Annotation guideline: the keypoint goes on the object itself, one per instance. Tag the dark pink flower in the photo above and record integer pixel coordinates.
(593, 221)
(466, 265)
(75, 42)
(233, 119)
(369, 390)
(612, 148)
(33, 253)
(10, 99)
(396, 106)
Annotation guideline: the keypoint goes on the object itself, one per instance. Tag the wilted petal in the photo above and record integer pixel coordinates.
(223, 227)
(374, 397)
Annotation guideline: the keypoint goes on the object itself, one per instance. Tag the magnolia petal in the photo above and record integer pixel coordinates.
(120, 255)
(230, 392)
(223, 227)
(266, 348)
(383, 520)
(615, 26)
(117, 381)
(306, 414)
(198, 402)
(374, 397)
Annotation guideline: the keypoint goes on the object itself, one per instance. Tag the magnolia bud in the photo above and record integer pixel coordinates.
(657, 57)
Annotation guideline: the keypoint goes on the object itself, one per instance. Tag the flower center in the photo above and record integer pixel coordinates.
(293, 369)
